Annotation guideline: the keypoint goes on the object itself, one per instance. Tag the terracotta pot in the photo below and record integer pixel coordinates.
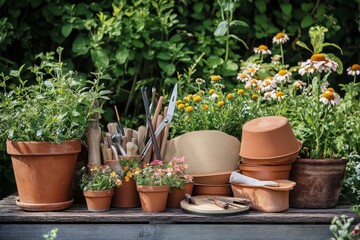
(126, 196)
(98, 201)
(318, 182)
(261, 172)
(214, 178)
(268, 137)
(265, 198)
(212, 189)
(176, 195)
(44, 173)
(153, 198)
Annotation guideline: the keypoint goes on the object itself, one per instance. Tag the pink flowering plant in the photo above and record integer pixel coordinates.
(178, 178)
(154, 173)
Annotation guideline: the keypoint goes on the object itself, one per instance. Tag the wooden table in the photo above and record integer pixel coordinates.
(78, 223)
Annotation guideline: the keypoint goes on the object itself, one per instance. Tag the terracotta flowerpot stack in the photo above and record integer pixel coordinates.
(216, 183)
(268, 148)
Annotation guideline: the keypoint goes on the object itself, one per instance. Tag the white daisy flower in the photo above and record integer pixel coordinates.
(279, 95)
(330, 98)
(243, 77)
(200, 81)
(280, 38)
(268, 84)
(253, 83)
(283, 76)
(276, 59)
(317, 62)
(354, 70)
(252, 69)
(299, 84)
(268, 96)
(262, 49)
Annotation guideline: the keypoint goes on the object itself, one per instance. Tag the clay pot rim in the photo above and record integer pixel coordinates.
(213, 174)
(324, 161)
(274, 157)
(285, 185)
(211, 185)
(250, 167)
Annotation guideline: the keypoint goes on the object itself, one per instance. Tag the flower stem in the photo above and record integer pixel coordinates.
(282, 54)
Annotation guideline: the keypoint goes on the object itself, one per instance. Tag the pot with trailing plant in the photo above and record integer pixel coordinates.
(153, 185)
(98, 185)
(44, 119)
(180, 182)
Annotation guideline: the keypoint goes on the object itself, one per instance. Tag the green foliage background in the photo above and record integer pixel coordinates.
(156, 43)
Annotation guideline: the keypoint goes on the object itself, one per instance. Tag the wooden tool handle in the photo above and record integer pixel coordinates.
(221, 204)
(157, 111)
(189, 199)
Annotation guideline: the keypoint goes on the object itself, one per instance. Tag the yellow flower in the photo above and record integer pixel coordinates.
(186, 104)
(178, 102)
(127, 179)
(197, 98)
(201, 92)
(255, 96)
(205, 107)
(211, 91)
(220, 103)
(186, 99)
(215, 78)
(230, 96)
(240, 91)
(112, 174)
(189, 109)
(189, 96)
(126, 168)
(118, 182)
(180, 106)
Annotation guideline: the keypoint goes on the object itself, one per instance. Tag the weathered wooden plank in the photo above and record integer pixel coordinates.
(166, 231)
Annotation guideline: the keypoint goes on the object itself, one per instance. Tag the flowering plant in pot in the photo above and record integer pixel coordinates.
(47, 113)
(153, 184)
(98, 185)
(180, 182)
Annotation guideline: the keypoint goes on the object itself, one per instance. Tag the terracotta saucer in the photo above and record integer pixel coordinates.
(44, 207)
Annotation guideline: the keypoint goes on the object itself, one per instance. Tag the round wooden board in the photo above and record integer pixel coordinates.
(206, 207)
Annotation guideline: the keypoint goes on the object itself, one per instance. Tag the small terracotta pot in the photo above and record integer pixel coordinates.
(268, 137)
(98, 201)
(212, 189)
(176, 195)
(153, 198)
(318, 182)
(126, 196)
(266, 198)
(261, 172)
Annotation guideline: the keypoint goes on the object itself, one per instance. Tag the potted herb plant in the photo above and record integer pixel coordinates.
(43, 120)
(153, 185)
(180, 182)
(98, 185)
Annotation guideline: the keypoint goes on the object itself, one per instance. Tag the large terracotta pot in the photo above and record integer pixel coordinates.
(98, 201)
(177, 195)
(126, 196)
(153, 198)
(318, 182)
(44, 173)
(263, 172)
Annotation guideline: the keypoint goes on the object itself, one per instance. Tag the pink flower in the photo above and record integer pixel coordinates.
(156, 162)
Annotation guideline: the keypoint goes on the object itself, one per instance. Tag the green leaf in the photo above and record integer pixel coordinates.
(137, 43)
(286, 8)
(221, 29)
(66, 29)
(80, 45)
(303, 45)
(214, 61)
(149, 54)
(260, 5)
(238, 23)
(230, 65)
(168, 68)
(100, 56)
(198, 7)
(307, 7)
(325, 44)
(121, 55)
(164, 56)
(340, 69)
(240, 40)
(307, 21)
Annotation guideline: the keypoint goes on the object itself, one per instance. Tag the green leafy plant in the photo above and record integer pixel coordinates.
(51, 235)
(341, 228)
(56, 108)
(98, 178)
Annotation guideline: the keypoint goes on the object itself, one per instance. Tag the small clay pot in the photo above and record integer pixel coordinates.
(153, 198)
(262, 172)
(98, 201)
(176, 195)
(268, 137)
(266, 198)
(126, 196)
(212, 189)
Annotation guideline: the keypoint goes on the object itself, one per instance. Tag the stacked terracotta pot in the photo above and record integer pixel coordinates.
(268, 148)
